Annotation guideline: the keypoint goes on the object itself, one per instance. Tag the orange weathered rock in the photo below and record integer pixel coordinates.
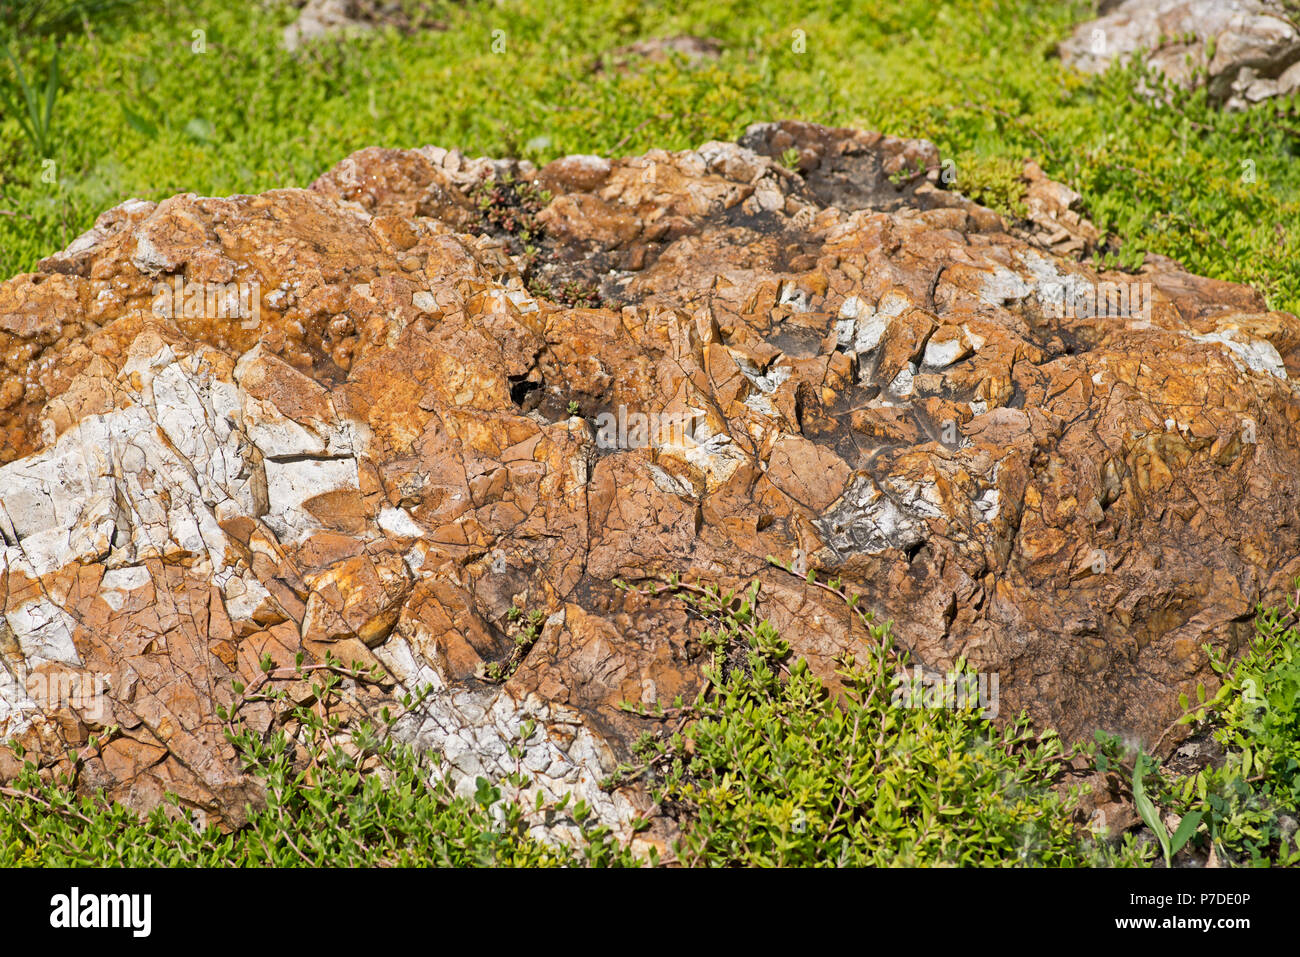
(1070, 479)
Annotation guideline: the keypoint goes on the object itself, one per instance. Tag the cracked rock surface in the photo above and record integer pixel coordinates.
(404, 443)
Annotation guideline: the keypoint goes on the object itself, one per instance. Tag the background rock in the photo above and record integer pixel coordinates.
(1245, 50)
(320, 18)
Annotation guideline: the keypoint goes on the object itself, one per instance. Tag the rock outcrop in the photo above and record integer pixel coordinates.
(371, 417)
(1245, 51)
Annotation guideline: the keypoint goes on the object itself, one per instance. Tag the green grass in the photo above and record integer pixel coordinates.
(140, 114)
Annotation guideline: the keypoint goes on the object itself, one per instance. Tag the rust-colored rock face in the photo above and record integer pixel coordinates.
(368, 418)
